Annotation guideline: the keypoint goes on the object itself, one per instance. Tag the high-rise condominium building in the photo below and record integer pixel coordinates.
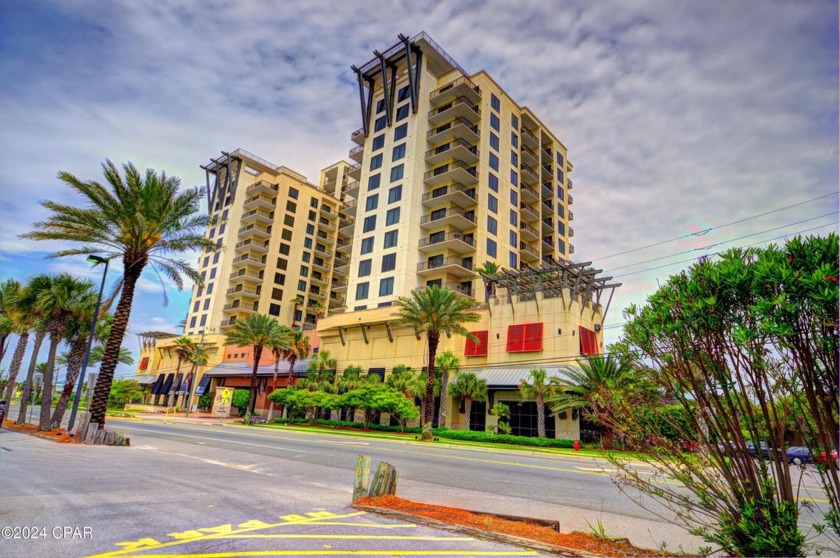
(453, 173)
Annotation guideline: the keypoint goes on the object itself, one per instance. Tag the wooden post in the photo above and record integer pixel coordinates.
(362, 477)
(93, 428)
(82, 426)
(384, 481)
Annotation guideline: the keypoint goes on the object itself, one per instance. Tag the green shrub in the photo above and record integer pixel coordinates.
(487, 437)
(240, 399)
(205, 401)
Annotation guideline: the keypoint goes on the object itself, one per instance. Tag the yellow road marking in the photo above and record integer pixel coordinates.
(342, 553)
(350, 537)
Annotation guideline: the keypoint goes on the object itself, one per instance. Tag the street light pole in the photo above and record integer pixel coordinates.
(95, 260)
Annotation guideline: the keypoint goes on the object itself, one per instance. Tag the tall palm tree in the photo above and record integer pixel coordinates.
(298, 349)
(434, 311)
(257, 331)
(142, 220)
(9, 290)
(320, 375)
(590, 387)
(448, 364)
(199, 357)
(278, 349)
(468, 388)
(537, 387)
(184, 349)
(19, 322)
(28, 304)
(488, 268)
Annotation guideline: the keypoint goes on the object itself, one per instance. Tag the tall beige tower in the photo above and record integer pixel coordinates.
(452, 173)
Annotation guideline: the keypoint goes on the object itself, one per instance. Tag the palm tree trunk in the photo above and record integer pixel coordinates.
(444, 396)
(174, 400)
(273, 386)
(46, 394)
(27, 388)
(74, 366)
(14, 368)
(252, 396)
(468, 410)
(428, 411)
(540, 416)
(111, 354)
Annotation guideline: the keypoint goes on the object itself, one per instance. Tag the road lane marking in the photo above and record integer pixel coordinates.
(216, 439)
(342, 553)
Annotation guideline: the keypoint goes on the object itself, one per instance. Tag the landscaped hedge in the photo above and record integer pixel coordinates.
(346, 424)
(489, 437)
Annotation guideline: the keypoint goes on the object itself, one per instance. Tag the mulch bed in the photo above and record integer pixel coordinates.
(58, 435)
(576, 540)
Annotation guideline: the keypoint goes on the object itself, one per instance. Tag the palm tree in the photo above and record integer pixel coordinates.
(19, 322)
(468, 388)
(257, 331)
(538, 388)
(9, 290)
(184, 349)
(434, 311)
(298, 348)
(590, 387)
(197, 358)
(278, 349)
(488, 268)
(142, 220)
(447, 362)
(320, 376)
(349, 380)
(34, 320)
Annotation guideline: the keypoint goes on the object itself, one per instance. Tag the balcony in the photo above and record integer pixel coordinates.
(346, 228)
(571, 248)
(319, 294)
(529, 139)
(571, 216)
(571, 200)
(465, 290)
(529, 176)
(243, 291)
(529, 195)
(547, 173)
(527, 253)
(257, 216)
(318, 278)
(247, 260)
(455, 171)
(340, 287)
(568, 184)
(344, 247)
(547, 226)
(571, 232)
(461, 87)
(349, 207)
(529, 158)
(327, 210)
(455, 242)
(457, 108)
(357, 153)
(261, 187)
(355, 171)
(254, 231)
(358, 136)
(342, 270)
(458, 194)
(260, 201)
(246, 276)
(546, 190)
(545, 152)
(236, 306)
(326, 239)
(352, 189)
(548, 247)
(339, 309)
(322, 250)
(452, 265)
(326, 224)
(251, 245)
(461, 220)
(528, 214)
(457, 129)
(528, 232)
(457, 149)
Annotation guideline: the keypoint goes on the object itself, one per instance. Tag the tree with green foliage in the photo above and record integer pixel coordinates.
(124, 392)
(487, 268)
(142, 220)
(375, 397)
(257, 331)
(502, 414)
(468, 387)
(434, 311)
(18, 322)
(738, 343)
(27, 303)
(282, 343)
(298, 349)
(538, 387)
(241, 399)
(449, 365)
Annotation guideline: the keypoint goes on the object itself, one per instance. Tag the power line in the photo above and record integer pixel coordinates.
(710, 229)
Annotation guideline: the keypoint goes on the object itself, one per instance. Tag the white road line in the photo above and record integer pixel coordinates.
(216, 439)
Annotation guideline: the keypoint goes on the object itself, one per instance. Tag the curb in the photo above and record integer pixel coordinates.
(480, 533)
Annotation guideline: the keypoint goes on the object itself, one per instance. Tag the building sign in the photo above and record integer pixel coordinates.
(221, 404)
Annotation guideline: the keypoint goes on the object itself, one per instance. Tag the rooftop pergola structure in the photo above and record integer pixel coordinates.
(551, 278)
(148, 339)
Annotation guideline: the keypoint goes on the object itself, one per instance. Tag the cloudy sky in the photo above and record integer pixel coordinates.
(679, 116)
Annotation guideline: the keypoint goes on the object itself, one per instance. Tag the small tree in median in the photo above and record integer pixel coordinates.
(468, 388)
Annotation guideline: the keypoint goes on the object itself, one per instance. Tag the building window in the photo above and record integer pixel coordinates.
(302, 285)
(282, 264)
(285, 249)
(379, 124)
(213, 273)
(494, 121)
(514, 177)
(560, 211)
(478, 347)
(588, 341)
(397, 173)
(559, 175)
(398, 152)
(561, 245)
(402, 95)
(514, 158)
(512, 260)
(491, 248)
(304, 271)
(494, 162)
(400, 132)
(514, 218)
(561, 228)
(494, 141)
(514, 240)
(196, 305)
(210, 288)
(494, 103)
(389, 262)
(206, 304)
(391, 239)
(192, 321)
(367, 245)
(273, 309)
(392, 217)
(560, 159)
(373, 181)
(369, 224)
(402, 113)
(386, 286)
(372, 202)
(289, 221)
(312, 216)
(206, 261)
(313, 203)
(364, 268)
(514, 198)
(291, 206)
(310, 229)
(277, 294)
(376, 162)
(307, 243)
(279, 279)
(514, 121)
(286, 234)
(560, 193)
(492, 226)
(525, 338)
(395, 194)
(380, 105)
(514, 140)
(378, 142)
(493, 182)
(492, 203)
(307, 256)
(293, 193)
(362, 290)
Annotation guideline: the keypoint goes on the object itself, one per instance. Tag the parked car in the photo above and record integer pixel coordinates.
(824, 460)
(799, 455)
(762, 448)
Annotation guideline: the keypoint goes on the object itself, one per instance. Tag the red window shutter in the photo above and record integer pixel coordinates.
(144, 363)
(472, 348)
(533, 338)
(515, 337)
(588, 341)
